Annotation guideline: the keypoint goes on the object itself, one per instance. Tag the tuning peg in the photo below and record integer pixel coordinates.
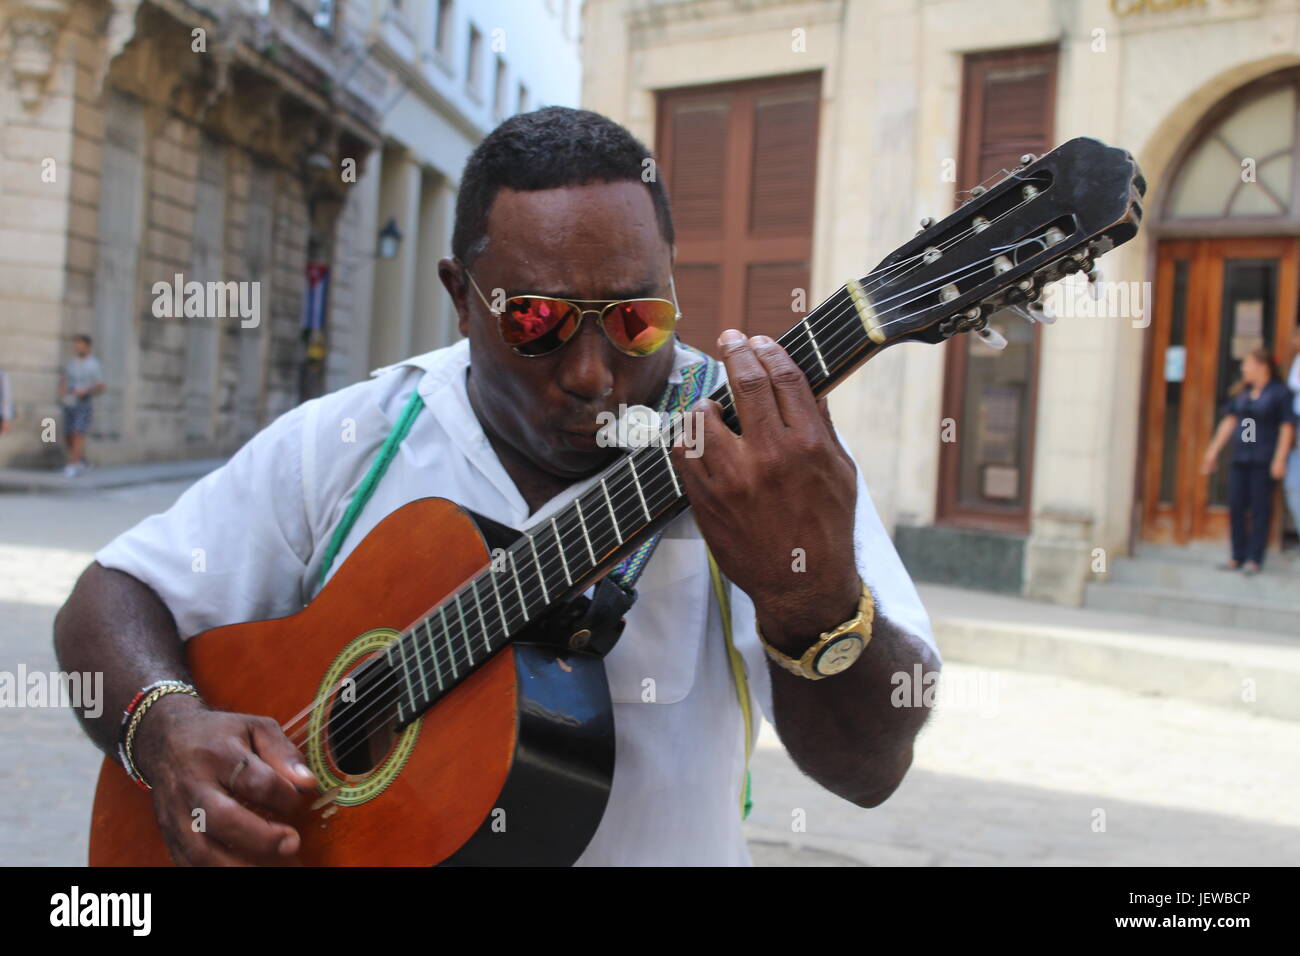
(1035, 311)
(992, 338)
(1028, 158)
(926, 223)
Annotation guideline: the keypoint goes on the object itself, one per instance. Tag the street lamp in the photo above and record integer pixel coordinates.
(390, 237)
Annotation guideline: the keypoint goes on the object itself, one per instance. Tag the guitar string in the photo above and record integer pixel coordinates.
(474, 582)
(381, 694)
(830, 345)
(798, 353)
(508, 629)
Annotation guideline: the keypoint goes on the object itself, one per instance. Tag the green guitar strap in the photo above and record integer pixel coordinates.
(698, 380)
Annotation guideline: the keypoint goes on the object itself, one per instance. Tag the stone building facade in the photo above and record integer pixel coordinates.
(145, 140)
(1080, 443)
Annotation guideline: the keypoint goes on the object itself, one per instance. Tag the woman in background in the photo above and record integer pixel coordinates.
(1260, 420)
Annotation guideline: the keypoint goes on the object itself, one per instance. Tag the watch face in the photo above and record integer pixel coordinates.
(839, 654)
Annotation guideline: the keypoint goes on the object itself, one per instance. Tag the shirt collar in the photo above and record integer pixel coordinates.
(442, 386)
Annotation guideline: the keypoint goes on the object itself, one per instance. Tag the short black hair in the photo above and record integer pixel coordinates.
(83, 338)
(548, 149)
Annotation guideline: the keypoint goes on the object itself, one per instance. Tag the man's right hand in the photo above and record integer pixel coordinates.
(235, 768)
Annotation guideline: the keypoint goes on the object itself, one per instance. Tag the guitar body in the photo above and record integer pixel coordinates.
(513, 766)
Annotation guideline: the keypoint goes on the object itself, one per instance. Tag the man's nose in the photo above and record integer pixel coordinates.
(586, 371)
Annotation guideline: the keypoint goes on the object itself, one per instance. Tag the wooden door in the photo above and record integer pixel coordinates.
(740, 164)
(1216, 299)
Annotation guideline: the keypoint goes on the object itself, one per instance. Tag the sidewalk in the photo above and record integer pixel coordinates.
(1251, 672)
(93, 479)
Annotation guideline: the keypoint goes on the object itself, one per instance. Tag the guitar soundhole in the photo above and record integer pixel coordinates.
(360, 733)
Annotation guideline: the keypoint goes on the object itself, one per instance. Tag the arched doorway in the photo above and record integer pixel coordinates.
(1226, 282)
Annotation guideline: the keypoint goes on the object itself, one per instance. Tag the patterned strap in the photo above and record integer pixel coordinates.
(698, 381)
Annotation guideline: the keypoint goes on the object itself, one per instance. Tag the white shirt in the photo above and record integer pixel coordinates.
(265, 519)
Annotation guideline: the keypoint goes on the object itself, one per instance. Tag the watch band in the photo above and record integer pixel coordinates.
(854, 633)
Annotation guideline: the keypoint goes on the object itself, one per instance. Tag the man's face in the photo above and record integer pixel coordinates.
(81, 347)
(599, 241)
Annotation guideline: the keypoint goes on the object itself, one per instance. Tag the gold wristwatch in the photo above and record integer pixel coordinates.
(835, 650)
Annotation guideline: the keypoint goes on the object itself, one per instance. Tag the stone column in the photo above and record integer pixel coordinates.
(395, 279)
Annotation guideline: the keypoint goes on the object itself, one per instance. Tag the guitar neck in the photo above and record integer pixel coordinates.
(563, 555)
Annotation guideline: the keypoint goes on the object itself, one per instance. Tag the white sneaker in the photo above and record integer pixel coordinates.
(71, 471)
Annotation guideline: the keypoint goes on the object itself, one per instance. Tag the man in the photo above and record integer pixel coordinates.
(81, 380)
(552, 203)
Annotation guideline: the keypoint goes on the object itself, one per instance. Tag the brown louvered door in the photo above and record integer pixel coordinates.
(740, 164)
(987, 442)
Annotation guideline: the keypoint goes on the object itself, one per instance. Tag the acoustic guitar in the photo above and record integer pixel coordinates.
(445, 713)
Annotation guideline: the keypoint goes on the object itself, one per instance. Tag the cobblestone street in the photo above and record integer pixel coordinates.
(1022, 769)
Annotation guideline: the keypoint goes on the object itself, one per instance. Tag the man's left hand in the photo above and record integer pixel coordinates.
(776, 503)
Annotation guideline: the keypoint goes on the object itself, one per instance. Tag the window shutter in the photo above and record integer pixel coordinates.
(740, 164)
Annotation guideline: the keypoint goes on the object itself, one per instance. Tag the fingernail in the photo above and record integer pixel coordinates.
(731, 337)
(288, 845)
(303, 770)
(760, 340)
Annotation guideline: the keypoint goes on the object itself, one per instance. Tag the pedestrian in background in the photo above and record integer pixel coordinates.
(81, 381)
(1260, 418)
(6, 404)
(1292, 483)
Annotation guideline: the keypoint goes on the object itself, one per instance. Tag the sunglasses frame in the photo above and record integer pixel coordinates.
(582, 315)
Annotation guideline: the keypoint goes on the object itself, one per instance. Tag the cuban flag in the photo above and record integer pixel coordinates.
(314, 302)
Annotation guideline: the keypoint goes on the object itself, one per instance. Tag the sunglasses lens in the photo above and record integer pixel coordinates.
(641, 326)
(535, 325)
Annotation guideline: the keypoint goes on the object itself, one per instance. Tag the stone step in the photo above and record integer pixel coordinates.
(1273, 584)
(1211, 553)
(1248, 671)
(1247, 615)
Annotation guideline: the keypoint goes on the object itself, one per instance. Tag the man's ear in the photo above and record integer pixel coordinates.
(453, 280)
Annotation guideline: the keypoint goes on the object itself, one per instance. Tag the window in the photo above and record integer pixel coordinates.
(499, 91)
(472, 64)
(1007, 109)
(442, 36)
(1242, 168)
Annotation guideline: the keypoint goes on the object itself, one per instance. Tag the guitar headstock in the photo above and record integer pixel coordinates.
(1049, 218)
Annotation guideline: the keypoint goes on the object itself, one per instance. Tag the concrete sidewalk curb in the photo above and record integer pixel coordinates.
(1251, 673)
(95, 479)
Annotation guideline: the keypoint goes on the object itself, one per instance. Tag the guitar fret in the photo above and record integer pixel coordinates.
(406, 674)
(816, 348)
(514, 569)
(612, 517)
(586, 537)
(482, 621)
(559, 546)
(446, 639)
(636, 483)
(437, 667)
(546, 591)
(505, 625)
(419, 658)
(464, 630)
(668, 463)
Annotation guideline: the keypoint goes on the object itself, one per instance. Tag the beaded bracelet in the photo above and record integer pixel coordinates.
(134, 714)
